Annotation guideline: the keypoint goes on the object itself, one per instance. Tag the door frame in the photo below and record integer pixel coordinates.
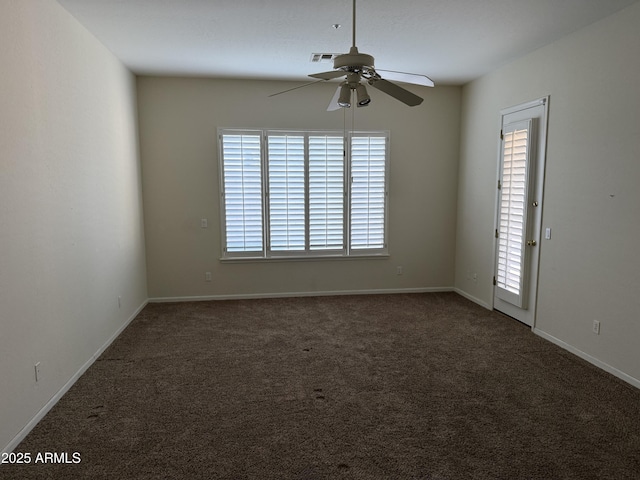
(541, 157)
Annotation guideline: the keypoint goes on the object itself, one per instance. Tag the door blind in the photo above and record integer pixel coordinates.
(512, 221)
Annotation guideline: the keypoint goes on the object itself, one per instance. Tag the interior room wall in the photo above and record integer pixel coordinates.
(71, 229)
(179, 118)
(589, 267)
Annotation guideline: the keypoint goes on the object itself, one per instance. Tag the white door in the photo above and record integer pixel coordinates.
(519, 209)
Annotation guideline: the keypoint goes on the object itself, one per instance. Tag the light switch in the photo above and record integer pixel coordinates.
(547, 234)
(204, 223)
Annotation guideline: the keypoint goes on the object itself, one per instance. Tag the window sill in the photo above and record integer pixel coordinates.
(305, 258)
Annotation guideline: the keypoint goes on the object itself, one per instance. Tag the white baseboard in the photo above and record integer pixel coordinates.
(473, 299)
(250, 296)
(593, 360)
(50, 404)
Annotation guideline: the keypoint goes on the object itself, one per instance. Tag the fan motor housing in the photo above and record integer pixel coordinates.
(352, 61)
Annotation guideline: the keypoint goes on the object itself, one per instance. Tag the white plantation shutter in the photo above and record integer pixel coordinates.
(242, 191)
(298, 194)
(512, 214)
(326, 192)
(368, 191)
(287, 218)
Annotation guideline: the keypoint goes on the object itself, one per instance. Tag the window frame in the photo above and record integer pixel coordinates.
(267, 253)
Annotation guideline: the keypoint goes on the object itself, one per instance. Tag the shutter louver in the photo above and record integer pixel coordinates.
(242, 192)
(286, 192)
(326, 193)
(368, 190)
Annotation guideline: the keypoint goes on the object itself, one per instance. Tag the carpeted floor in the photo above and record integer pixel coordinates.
(419, 386)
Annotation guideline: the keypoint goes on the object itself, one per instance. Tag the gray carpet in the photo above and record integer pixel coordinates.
(420, 386)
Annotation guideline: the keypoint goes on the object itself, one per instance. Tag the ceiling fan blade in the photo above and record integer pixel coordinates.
(328, 75)
(399, 93)
(295, 88)
(333, 104)
(414, 78)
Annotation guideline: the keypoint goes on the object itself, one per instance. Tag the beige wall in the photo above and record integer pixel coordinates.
(589, 268)
(71, 233)
(178, 122)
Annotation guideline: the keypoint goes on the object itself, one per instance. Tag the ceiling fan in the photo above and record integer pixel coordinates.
(358, 69)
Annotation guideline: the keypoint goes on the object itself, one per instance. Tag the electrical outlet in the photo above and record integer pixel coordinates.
(207, 276)
(398, 270)
(36, 367)
(204, 223)
(596, 327)
(475, 278)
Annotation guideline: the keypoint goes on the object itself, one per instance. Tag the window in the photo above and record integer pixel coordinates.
(303, 194)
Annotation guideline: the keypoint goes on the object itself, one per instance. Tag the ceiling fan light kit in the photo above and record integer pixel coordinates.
(361, 94)
(344, 100)
(358, 68)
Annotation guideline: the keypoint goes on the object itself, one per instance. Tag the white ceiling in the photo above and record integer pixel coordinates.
(452, 41)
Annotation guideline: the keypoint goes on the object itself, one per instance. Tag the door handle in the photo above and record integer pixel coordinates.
(532, 243)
